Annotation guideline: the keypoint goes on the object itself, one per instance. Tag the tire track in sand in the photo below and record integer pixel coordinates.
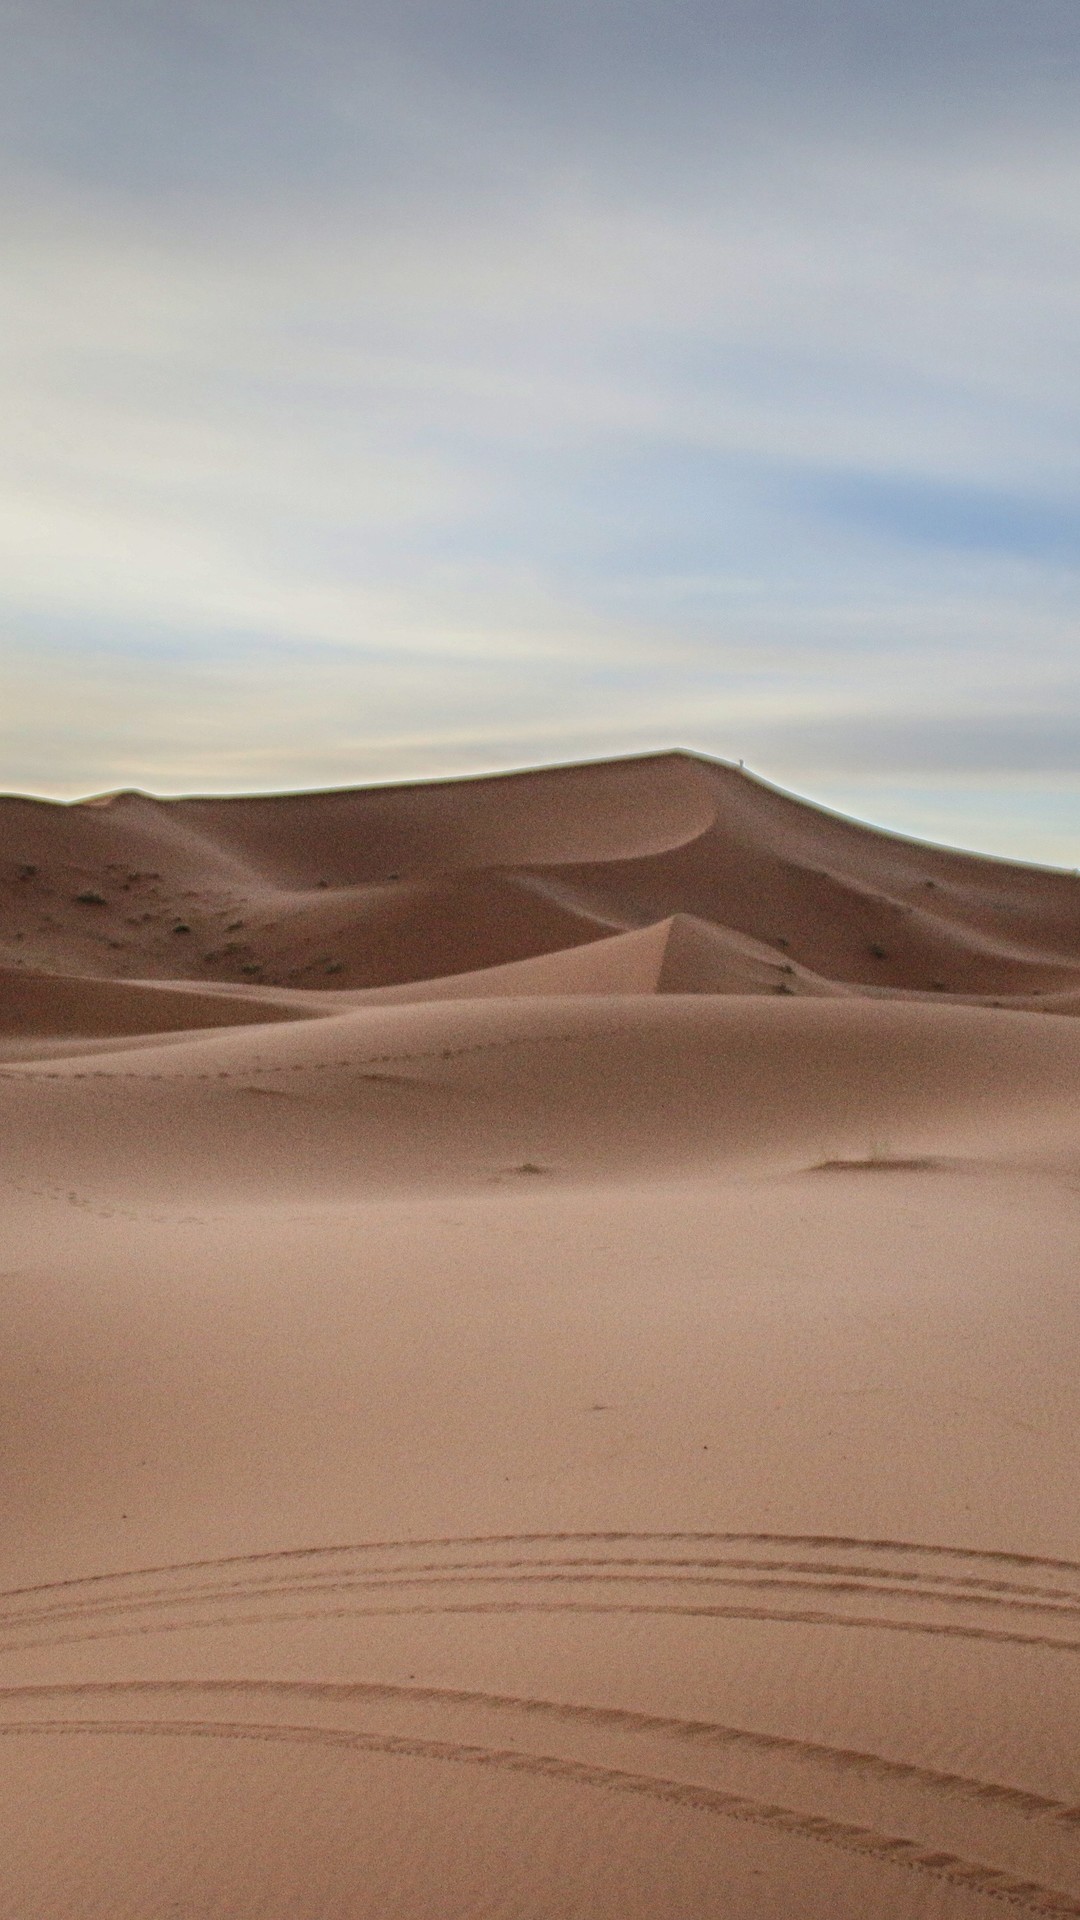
(698, 1733)
(569, 1574)
(949, 1868)
(220, 1592)
(843, 1542)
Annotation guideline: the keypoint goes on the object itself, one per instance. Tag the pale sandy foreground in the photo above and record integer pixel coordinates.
(541, 1336)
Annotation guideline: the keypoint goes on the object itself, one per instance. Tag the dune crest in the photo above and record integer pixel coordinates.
(385, 886)
(540, 1358)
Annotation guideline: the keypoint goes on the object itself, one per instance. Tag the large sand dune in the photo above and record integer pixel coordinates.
(542, 1321)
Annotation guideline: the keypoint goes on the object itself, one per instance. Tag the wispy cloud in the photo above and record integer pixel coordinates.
(387, 393)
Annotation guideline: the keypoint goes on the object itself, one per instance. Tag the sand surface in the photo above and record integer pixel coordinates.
(542, 1320)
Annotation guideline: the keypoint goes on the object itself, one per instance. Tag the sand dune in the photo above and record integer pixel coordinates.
(540, 1375)
(392, 885)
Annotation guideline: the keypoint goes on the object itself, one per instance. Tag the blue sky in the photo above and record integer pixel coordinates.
(395, 390)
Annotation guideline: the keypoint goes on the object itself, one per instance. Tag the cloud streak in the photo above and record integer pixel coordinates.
(390, 392)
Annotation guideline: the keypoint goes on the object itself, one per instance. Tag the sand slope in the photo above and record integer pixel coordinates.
(575, 1413)
(388, 885)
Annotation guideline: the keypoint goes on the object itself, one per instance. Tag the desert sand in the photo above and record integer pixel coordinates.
(541, 1333)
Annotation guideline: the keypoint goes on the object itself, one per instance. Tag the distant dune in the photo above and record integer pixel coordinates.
(393, 885)
(542, 1321)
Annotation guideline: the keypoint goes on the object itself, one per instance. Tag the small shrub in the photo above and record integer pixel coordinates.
(91, 899)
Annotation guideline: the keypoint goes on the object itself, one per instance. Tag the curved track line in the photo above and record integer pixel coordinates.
(807, 1617)
(874, 1575)
(380, 1581)
(848, 1542)
(708, 1733)
(1027, 1895)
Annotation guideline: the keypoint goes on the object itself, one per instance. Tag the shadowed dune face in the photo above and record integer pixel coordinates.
(390, 886)
(540, 1359)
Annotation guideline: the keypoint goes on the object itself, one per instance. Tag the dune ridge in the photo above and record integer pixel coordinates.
(540, 1368)
(388, 886)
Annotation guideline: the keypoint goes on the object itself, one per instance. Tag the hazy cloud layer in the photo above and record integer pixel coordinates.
(397, 389)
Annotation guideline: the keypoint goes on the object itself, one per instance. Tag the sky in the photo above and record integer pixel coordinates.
(405, 389)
